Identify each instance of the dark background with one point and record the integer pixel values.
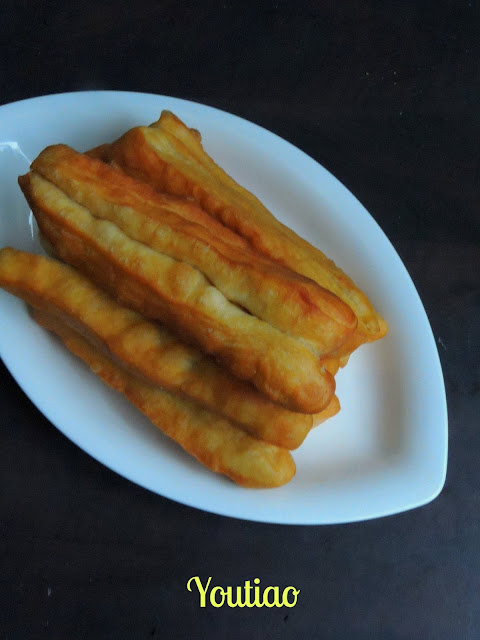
(384, 95)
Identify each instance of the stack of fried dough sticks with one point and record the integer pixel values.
(180, 290)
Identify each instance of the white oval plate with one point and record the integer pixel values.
(387, 449)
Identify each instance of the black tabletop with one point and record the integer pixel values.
(385, 96)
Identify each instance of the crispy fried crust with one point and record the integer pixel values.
(212, 440)
(184, 207)
(145, 348)
(330, 410)
(332, 365)
(102, 152)
(179, 296)
(293, 304)
(171, 159)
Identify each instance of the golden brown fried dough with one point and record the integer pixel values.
(184, 207)
(330, 410)
(146, 349)
(212, 440)
(102, 152)
(289, 302)
(171, 159)
(332, 365)
(180, 297)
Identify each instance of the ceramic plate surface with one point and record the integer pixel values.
(384, 453)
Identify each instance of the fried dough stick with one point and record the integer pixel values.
(212, 440)
(180, 297)
(148, 350)
(170, 157)
(293, 304)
